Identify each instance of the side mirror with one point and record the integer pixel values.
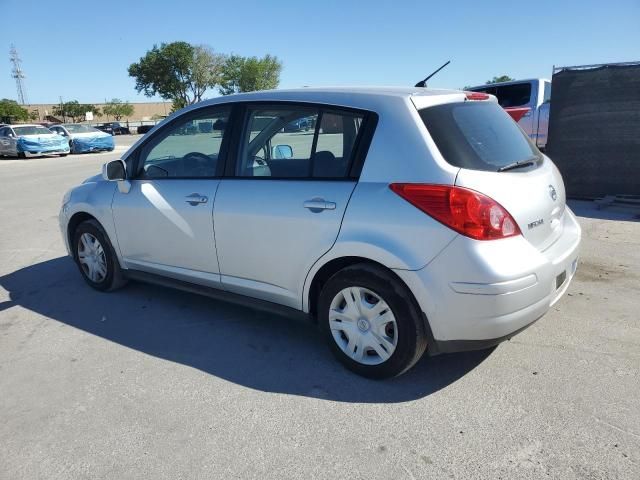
(114, 171)
(281, 152)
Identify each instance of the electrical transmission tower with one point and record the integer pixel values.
(18, 74)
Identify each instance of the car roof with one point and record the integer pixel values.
(315, 92)
(25, 125)
(350, 97)
(513, 82)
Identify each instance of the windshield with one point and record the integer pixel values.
(77, 128)
(32, 130)
(477, 135)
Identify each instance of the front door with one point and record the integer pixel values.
(283, 208)
(164, 223)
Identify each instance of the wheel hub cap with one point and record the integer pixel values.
(92, 258)
(363, 325)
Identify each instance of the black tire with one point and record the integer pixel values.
(63, 154)
(22, 155)
(411, 332)
(114, 277)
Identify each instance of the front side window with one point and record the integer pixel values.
(298, 142)
(188, 148)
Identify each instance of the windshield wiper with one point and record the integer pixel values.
(520, 164)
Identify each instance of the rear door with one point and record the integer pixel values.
(4, 140)
(480, 138)
(282, 208)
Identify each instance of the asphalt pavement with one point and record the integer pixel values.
(147, 382)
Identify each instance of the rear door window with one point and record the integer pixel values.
(291, 141)
(477, 135)
(514, 95)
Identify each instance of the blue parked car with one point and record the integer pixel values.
(84, 138)
(24, 140)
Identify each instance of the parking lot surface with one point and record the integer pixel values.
(147, 382)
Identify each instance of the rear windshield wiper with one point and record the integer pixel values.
(520, 164)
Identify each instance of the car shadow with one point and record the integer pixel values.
(258, 350)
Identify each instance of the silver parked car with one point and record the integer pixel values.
(25, 140)
(402, 221)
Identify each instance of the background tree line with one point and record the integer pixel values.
(182, 73)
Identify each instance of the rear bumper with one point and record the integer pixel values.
(476, 294)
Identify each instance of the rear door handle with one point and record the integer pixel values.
(319, 204)
(196, 199)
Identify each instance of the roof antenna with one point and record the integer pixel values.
(423, 83)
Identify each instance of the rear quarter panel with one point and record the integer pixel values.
(378, 224)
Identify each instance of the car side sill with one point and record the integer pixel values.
(217, 294)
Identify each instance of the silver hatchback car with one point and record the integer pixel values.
(400, 220)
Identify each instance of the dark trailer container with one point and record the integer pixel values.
(594, 129)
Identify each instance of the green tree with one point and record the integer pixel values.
(177, 71)
(248, 74)
(117, 109)
(10, 111)
(500, 79)
(74, 110)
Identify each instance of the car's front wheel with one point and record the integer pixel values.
(371, 321)
(96, 258)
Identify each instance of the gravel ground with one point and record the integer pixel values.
(153, 383)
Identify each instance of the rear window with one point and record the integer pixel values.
(477, 135)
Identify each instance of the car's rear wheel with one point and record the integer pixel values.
(371, 321)
(96, 258)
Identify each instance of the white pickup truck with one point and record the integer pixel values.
(527, 101)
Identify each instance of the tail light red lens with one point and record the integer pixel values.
(477, 96)
(466, 211)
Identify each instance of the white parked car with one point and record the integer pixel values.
(26, 140)
(84, 138)
(403, 220)
(528, 103)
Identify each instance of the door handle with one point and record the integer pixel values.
(196, 199)
(319, 204)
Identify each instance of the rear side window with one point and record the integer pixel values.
(547, 92)
(477, 135)
(514, 95)
(291, 141)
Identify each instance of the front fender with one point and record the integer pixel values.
(93, 198)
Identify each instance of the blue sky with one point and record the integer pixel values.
(81, 49)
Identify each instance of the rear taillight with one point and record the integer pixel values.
(466, 211)
(518, 112)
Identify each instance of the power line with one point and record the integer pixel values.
(18, 74)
